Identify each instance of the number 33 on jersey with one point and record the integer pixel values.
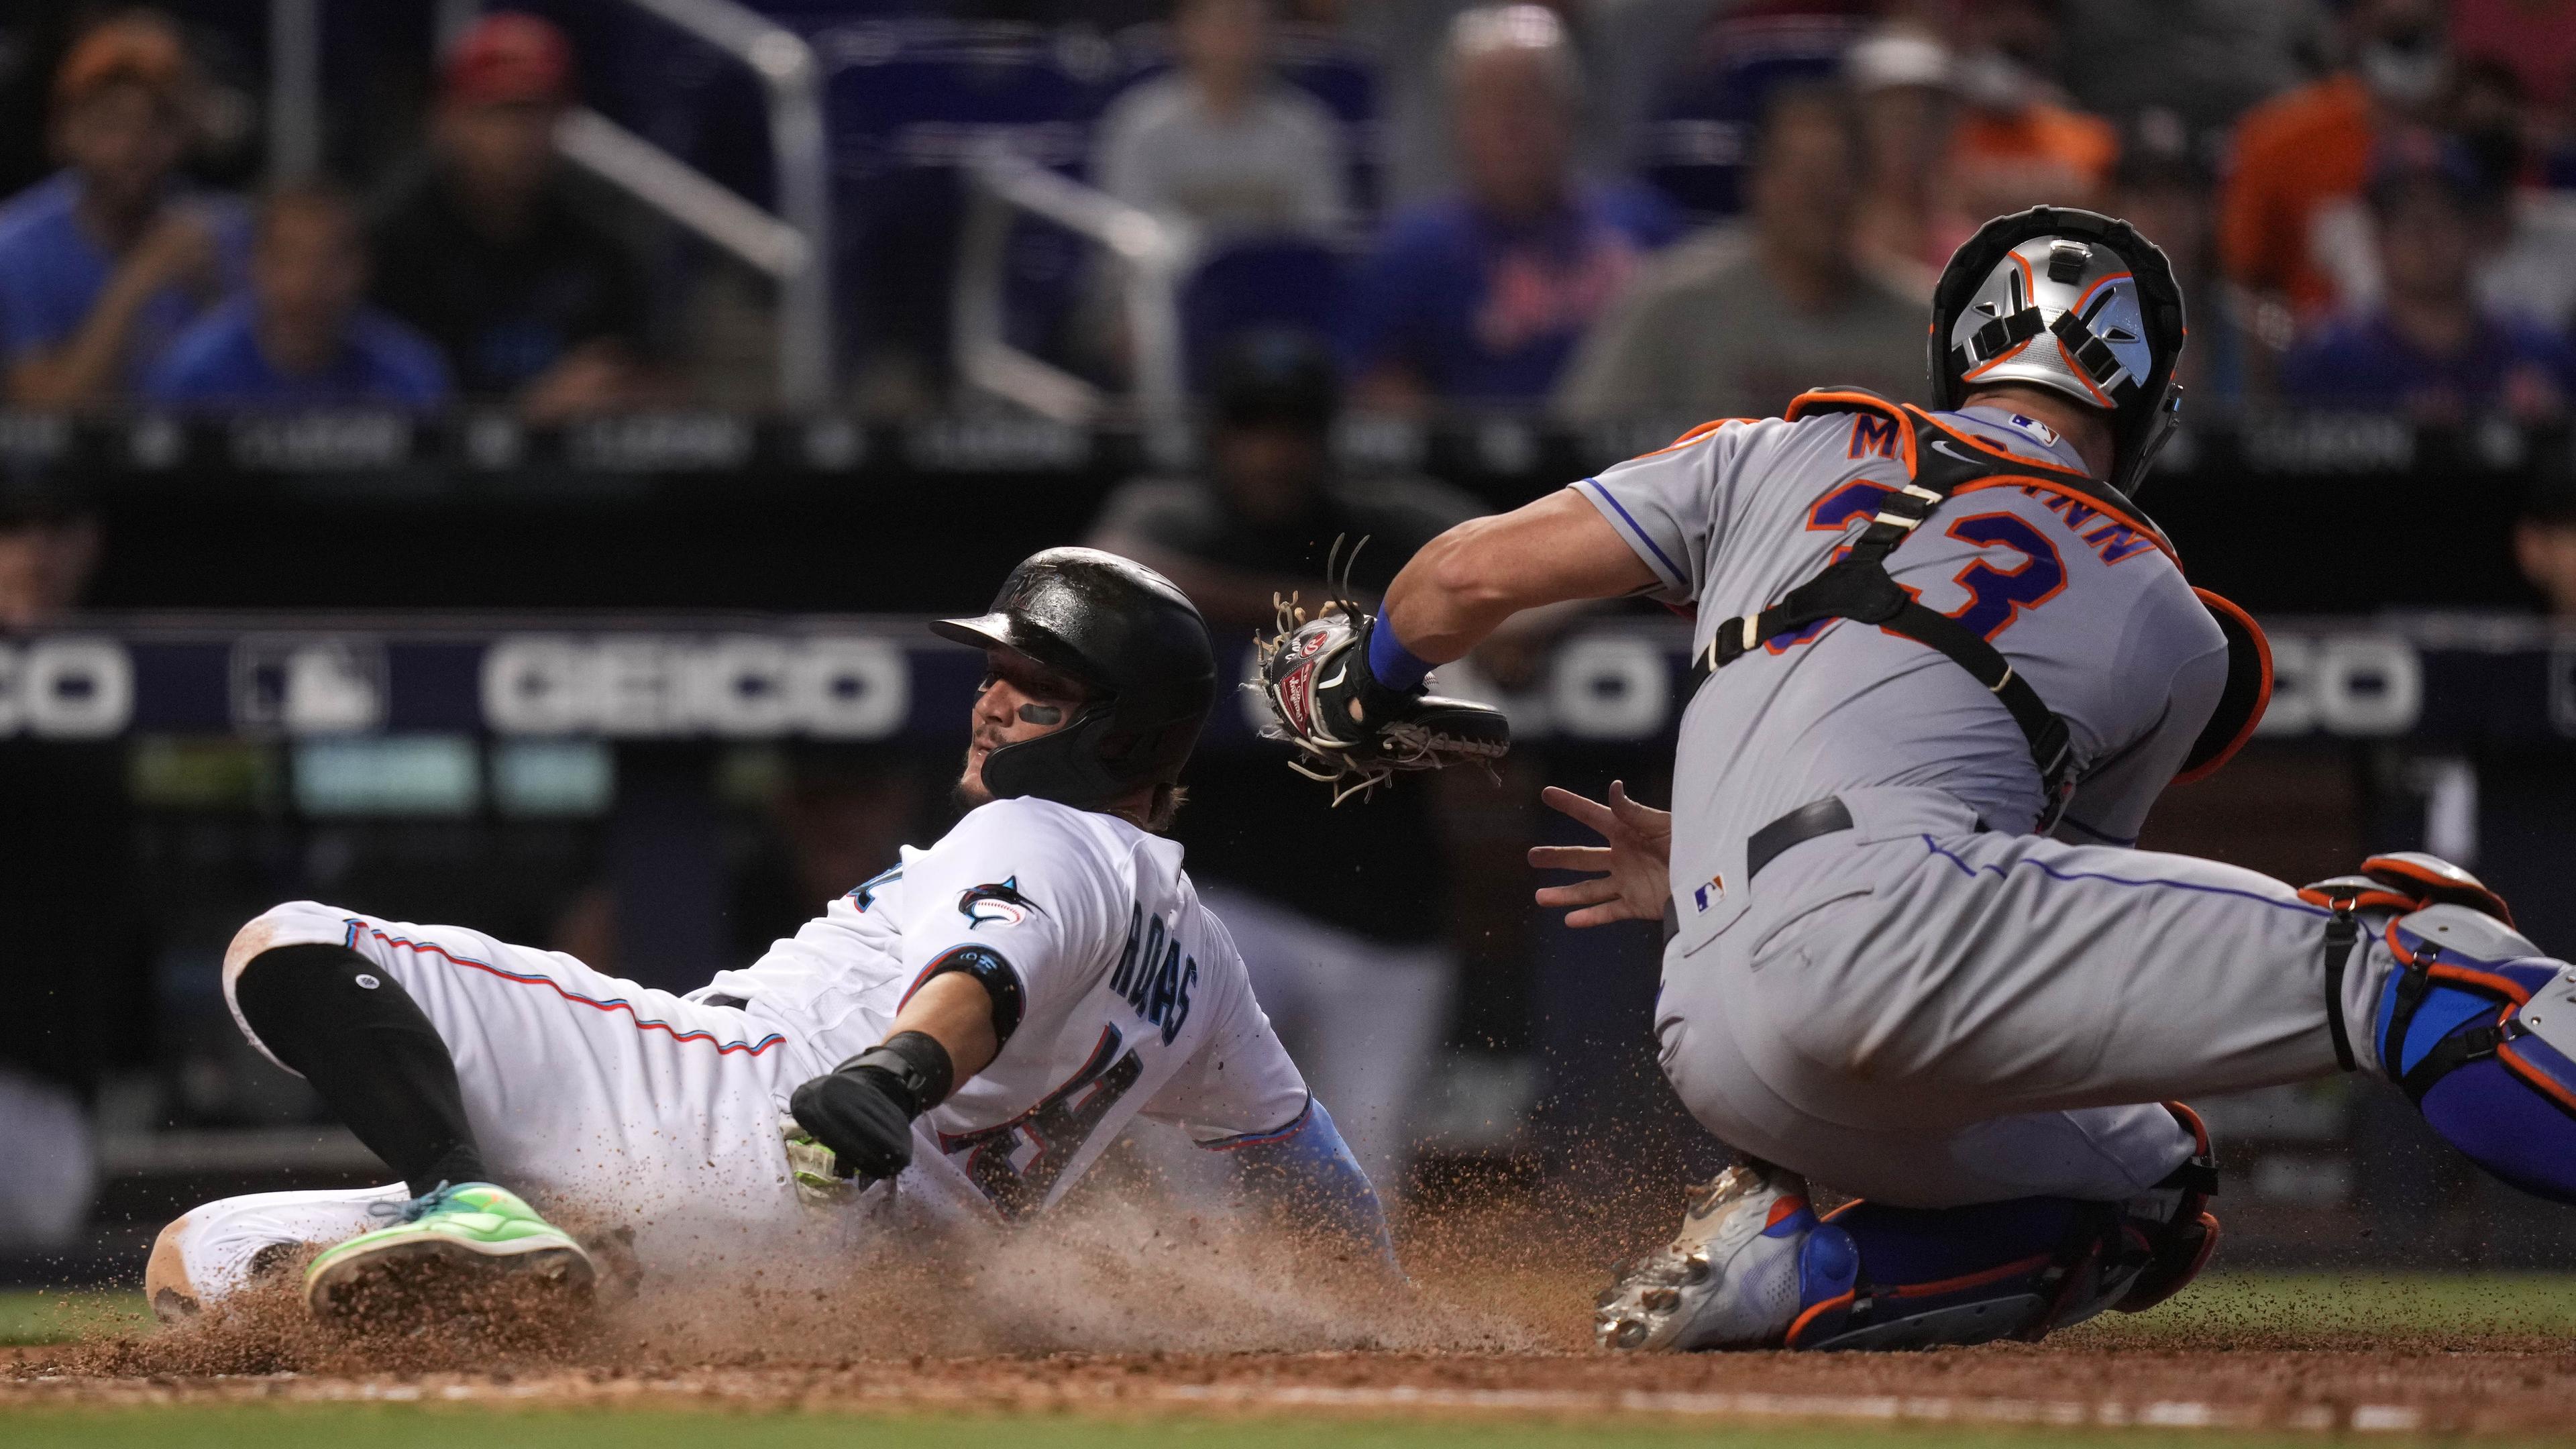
(1956, 534)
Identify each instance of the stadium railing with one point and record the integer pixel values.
(793, 249)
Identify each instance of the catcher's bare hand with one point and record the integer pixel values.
(1632, 874)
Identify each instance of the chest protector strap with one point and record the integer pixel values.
(1856, 586)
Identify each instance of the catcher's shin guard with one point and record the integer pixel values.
(2479, 1030)
(2475, 1025)
(2180, 1242)
(1924, 1278)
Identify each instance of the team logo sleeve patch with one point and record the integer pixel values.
(1000, 903)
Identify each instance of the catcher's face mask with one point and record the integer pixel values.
(2072, 301)
(2060, 314)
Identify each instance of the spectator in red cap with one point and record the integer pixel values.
(486, 250)
(104, 262)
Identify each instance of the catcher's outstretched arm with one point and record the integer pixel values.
(1464, 584)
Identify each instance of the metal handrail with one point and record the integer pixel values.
(294, 89)
(794, 248)
(793, 82)
(1153, 255)
(683, 193)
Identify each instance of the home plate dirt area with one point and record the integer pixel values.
(1084, 1329)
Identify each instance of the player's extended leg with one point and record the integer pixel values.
(463, 1059)
(216, 1249)
(343, 1023)
(210, 1252)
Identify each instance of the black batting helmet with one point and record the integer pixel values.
(2073, 301)
(1130, 635)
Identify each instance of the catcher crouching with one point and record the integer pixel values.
(1943, 667)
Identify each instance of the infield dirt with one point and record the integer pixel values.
(1115, 1311)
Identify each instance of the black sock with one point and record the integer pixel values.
(367, 1047)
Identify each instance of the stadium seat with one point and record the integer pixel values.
(1698, 138)
(1260, 281)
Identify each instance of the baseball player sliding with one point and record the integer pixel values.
(973, 1025)
(1945, 665)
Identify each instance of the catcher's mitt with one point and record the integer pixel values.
(1352, 732)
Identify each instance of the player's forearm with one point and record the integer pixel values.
(954, 1010)
(863, 1110)
(1310, 1178)
(1468, 582)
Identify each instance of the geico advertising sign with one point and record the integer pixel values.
(1601, 686)
(2355, 684)
(66, 688)
(743, 685)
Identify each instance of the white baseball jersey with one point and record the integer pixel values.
(630, 1105)
(1122, 993)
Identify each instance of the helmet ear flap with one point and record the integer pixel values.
(1063, 764)
(1128, 634)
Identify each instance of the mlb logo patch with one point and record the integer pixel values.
(2036, 429)
(1715, 890)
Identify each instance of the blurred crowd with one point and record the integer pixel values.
(469, 274)
(1595, 209)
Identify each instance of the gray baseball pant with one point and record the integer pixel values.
(1930, 1015)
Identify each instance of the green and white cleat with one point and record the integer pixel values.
(472, 1231)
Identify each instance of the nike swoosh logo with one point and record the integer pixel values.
(2008, 456)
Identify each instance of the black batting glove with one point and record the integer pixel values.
(864, 1116)
(863, 1110)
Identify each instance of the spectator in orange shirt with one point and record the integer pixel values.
(2019, 143)
(2301, 151)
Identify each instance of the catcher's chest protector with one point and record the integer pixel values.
(1941, 463)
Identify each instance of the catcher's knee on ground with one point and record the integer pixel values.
(1900, 1278)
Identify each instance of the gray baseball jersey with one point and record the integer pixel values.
(1935, 1006)
(2092, 612)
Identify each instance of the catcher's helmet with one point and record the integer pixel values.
(1129, 634)
(2069, 300)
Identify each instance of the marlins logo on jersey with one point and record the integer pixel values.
(1000, 903)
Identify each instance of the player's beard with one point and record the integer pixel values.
(970, 790)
